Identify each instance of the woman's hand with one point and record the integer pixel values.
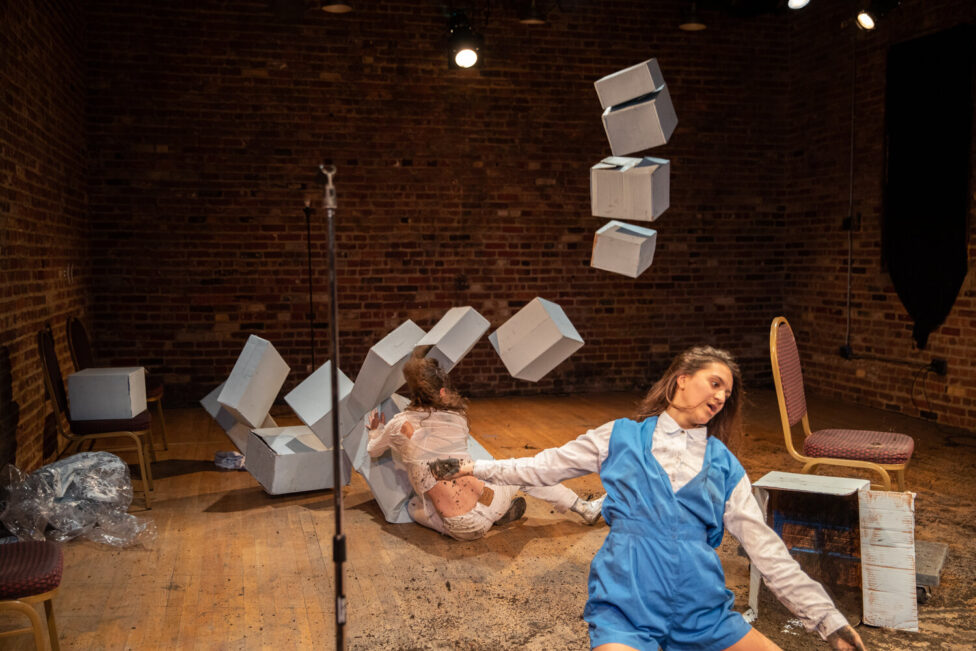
(376, 419)
(450, 468)
(845, 638)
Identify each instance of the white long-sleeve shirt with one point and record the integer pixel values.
(682, 453)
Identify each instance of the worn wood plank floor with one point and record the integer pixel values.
(234, 568)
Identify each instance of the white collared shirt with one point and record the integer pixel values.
(681, 453)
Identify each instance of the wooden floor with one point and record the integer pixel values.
(234, 568)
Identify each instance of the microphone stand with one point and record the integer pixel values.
(339, 539)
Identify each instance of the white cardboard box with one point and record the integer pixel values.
(312, 403)
(637, 189)
(454, 336)
(640, 124)
(254, 382)
(107, 393)
(886, 554)
(385, 475)
(291, 460)
(535, 340)
(382, 371)
(623, 249)
(237, 432)
(629, 83)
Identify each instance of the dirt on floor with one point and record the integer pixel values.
(524, 585)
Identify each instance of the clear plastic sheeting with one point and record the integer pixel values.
(85, 495)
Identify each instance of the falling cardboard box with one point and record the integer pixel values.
(291, 460)
(382, 371)
(237, 432)
(107, 393)
(623, 249)
(629, 83)
(641, 123)
(311, 401)
(254, 382)
(454, 336)
(637, 189)
(535, 340)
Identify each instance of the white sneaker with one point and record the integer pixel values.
(589, 510)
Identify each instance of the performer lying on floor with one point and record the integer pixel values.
(672, 488)
(435, 425)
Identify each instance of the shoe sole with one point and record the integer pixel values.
(514, 512)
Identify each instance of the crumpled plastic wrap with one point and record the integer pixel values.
(85, 495)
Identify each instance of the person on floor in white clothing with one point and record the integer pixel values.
(435, 425)
(673, 487)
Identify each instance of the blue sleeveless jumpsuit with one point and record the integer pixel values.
(657, 580)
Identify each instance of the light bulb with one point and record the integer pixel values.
(466, 58)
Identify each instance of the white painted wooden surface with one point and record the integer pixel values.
(792, 481)
(888, 559)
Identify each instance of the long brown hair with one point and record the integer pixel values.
(425, 379)
(725, 425)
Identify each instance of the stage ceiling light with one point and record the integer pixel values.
(690, 22)
(873, 11)
(464, 46)
(336, 7)
(530, 13)
(797, 4)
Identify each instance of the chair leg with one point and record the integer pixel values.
(900, 479)
(144, 468)
(28, 611)
(162, 423)
(52, 629)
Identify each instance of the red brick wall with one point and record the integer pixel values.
(43, 211)
(207, 121)
(817, 247)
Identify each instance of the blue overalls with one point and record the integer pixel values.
(657, 579)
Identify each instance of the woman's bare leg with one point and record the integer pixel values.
(754, 641)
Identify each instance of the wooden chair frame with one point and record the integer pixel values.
(64, 427)
(25, 606)
(155, 402)
(810, 463)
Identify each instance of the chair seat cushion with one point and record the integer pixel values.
(29, 568)
(137, 424)
(863, 445)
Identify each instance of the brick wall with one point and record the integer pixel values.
(817, 247)
(43, 211)
(207, 121)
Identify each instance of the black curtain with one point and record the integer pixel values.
(928, 139)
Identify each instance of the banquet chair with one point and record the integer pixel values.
(30, 573)
(81, 354)
(880, 452)
(80, 431)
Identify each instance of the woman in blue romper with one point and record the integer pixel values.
(672, 488)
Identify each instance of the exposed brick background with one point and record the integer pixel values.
(204, 123)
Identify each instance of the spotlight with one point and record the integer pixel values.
(874, 10)
(690, 22)
(797, 4)
(336, 7)
(464, 46)
(530, 14)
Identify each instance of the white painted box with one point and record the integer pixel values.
(629, 83)
(454, 336)
(311, 401)
(636, 189)
(291, 460)
(882, 554)
(640, 124)
(254, 382)
(237, 432)
(535, 340)
(623, 249)
(382, 371)
(107, 393)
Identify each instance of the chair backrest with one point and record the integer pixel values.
(786, 369)
(53, 380)
(79, 344)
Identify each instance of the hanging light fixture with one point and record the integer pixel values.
(874, 10)
(336, 7)
(797, 4)
(464, 46)
(690, 22)
(530, 14)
